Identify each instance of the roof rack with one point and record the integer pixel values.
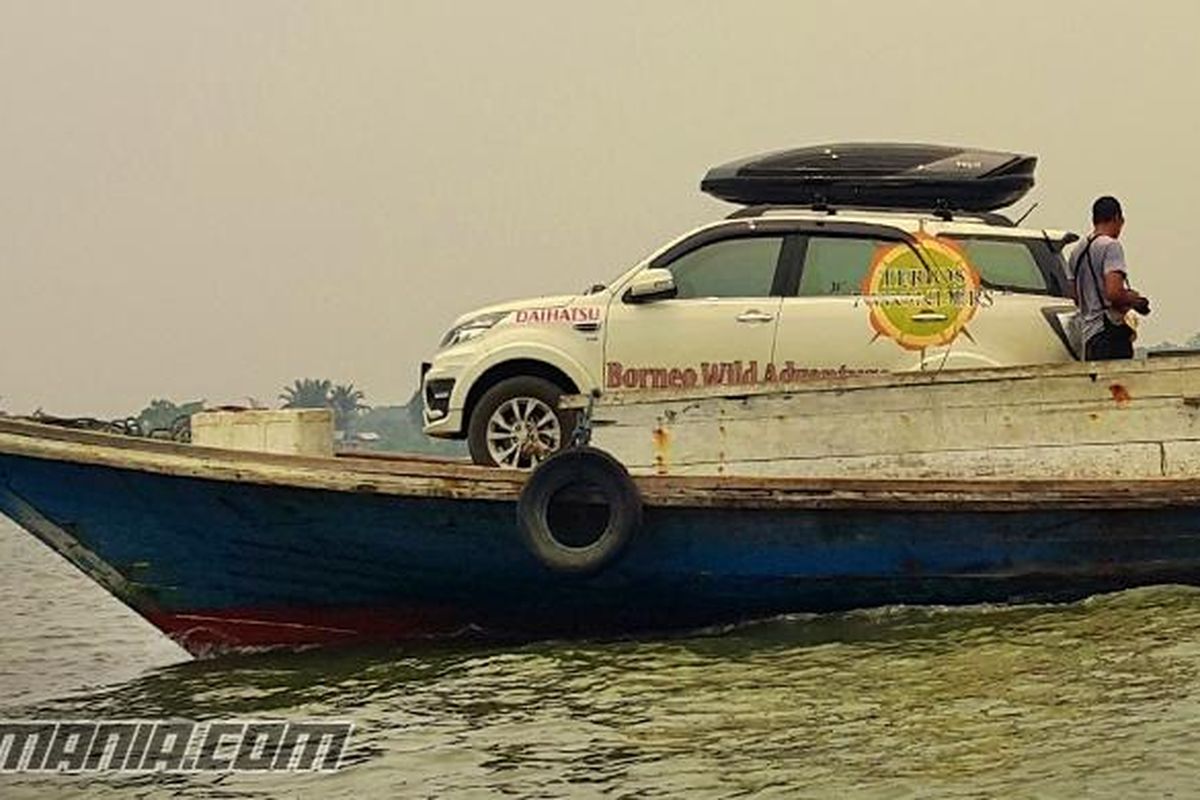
(944, 214)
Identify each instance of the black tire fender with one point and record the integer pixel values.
(605, 481)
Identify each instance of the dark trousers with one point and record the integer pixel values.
(1115, 341)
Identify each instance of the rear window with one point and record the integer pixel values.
(1004, 264)
(837, 265)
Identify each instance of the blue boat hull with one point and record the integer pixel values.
(221, 563)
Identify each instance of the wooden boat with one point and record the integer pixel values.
(223, 549)
(1104, 420)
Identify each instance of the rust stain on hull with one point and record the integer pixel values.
(662, 449)
(1120, 394)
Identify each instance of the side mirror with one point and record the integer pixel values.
(651, 284)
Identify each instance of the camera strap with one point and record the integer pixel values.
(1096, 284)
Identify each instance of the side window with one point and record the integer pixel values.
(1005, 265)
(837, 265)
(729, 268)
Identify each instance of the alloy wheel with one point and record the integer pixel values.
(522, 432)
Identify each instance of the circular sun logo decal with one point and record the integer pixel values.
(921, 295)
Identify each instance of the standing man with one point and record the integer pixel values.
(1101, 283)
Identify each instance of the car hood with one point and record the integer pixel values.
(553, 301)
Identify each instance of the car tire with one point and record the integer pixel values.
(520, 412)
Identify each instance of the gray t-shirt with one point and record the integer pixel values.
(1107, 256)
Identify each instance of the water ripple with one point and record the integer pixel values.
(1096, 699)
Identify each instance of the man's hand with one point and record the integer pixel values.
(1122, 298)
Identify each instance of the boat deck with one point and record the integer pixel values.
(423, 476)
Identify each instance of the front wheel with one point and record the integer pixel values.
(517, 424)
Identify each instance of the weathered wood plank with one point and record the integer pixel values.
(1073, 422)
(1098, 372)
(898, 397)
(418, 479)
(1128, 461)
(454, 481)
(390, 465)
(1054, 431)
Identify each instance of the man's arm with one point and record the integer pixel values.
(1116, 282)
(1121, 298)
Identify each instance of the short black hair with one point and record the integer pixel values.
(1106, 209)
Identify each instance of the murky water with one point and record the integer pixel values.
(1098, 699)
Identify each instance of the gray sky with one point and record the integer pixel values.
(210, 199)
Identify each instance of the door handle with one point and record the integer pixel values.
(929, 316)
(754, 315)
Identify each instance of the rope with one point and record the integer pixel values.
(180, 429)
(582, 434)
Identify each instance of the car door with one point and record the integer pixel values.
(719, 327)
(868, 301)
(825, 320)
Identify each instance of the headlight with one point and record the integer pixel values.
(471, 328)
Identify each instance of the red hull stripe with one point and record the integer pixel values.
(203, 631)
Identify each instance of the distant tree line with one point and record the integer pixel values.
(357, 424)
(164, 416)
(344, 400)
(1191, 344)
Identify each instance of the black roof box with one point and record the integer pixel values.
(910, 176)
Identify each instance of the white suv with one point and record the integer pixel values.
(768, 295)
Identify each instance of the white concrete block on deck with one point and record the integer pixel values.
(298, 431)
